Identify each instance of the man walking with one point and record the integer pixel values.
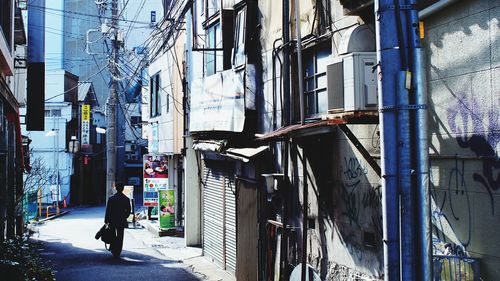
(117, 211)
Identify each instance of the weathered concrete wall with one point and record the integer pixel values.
(344, 202)
(345, 238)
(463, 66)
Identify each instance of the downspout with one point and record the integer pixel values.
(436, 7)
(305, 204)
(421, 147)
(387, 57)
(299, 62)
(286, 145)
(302, 120)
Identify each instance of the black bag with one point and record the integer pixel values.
(106, 234)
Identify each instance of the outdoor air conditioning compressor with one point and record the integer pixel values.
(352, 82)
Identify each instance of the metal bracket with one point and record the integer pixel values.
(393, 7)
(402, 107)
(354, 140)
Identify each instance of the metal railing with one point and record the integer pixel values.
(455, 268)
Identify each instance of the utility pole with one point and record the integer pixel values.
(404, 182)
(111, 128)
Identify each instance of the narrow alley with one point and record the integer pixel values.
(69, 245)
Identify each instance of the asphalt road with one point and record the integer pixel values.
(70, 246)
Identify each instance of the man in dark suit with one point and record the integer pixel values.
(117, 211)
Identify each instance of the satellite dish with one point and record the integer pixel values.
(311, 275)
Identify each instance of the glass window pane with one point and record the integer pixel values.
(310, 103)
(158, 95)
(322, 101)
(323, 58)
(310, 85)
(321, 81)
(56, 112)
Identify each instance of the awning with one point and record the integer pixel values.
(298, 130)
(326, 125)
(210, 145)
(245, 154)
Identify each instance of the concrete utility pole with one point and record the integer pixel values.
(111, 128)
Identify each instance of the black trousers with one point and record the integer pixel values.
(117, 245)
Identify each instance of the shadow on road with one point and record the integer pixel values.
(74, 263)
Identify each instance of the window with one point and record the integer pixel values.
(6, 20)
(213, 57)
(154, 90)
(315, 95)
(135, 121)
(212, 7)
(52, 113)
(239, 39)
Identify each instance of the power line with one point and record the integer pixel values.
(83, 14)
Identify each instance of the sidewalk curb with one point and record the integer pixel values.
(192, 257)
(53, 217)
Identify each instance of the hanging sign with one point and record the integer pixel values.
(85, 124)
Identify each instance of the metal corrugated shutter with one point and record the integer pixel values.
(230, 200)
(219, 213)
(213, 212)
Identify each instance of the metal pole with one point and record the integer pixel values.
(286, 121)
(422, 196)
(305, 204)
(286, 63)
(390, 65)
(299, 62)
(111, 129)
(405, 183)
(57, 165)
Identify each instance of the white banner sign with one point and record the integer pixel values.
(218, 103)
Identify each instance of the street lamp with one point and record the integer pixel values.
(55, 133)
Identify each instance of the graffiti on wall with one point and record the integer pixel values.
(455, 198)
(361, 202)
(477, 128)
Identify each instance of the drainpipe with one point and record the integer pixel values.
(390, 65)
(299, 62)
(424, 243)
(421, 152)
(438, 6)
(305, 205)
(286, 117)
(286, 63)
(405, 183)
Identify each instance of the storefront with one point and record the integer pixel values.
(219, 212)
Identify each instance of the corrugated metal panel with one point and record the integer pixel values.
(230, 200)
(219, 213)
(213, 215)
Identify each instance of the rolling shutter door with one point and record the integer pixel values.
(219, 215)
(230, 200)
(213, 213)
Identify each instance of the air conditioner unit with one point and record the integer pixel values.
(352, 82)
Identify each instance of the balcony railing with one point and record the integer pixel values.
(455, 268)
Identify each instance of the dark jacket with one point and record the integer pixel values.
(118, 210)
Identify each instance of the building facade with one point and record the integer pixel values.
(12, 166)
(302, 107)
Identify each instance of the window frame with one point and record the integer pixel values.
(216, 65)
(313, 93)
(155, 95)
(240, 28)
